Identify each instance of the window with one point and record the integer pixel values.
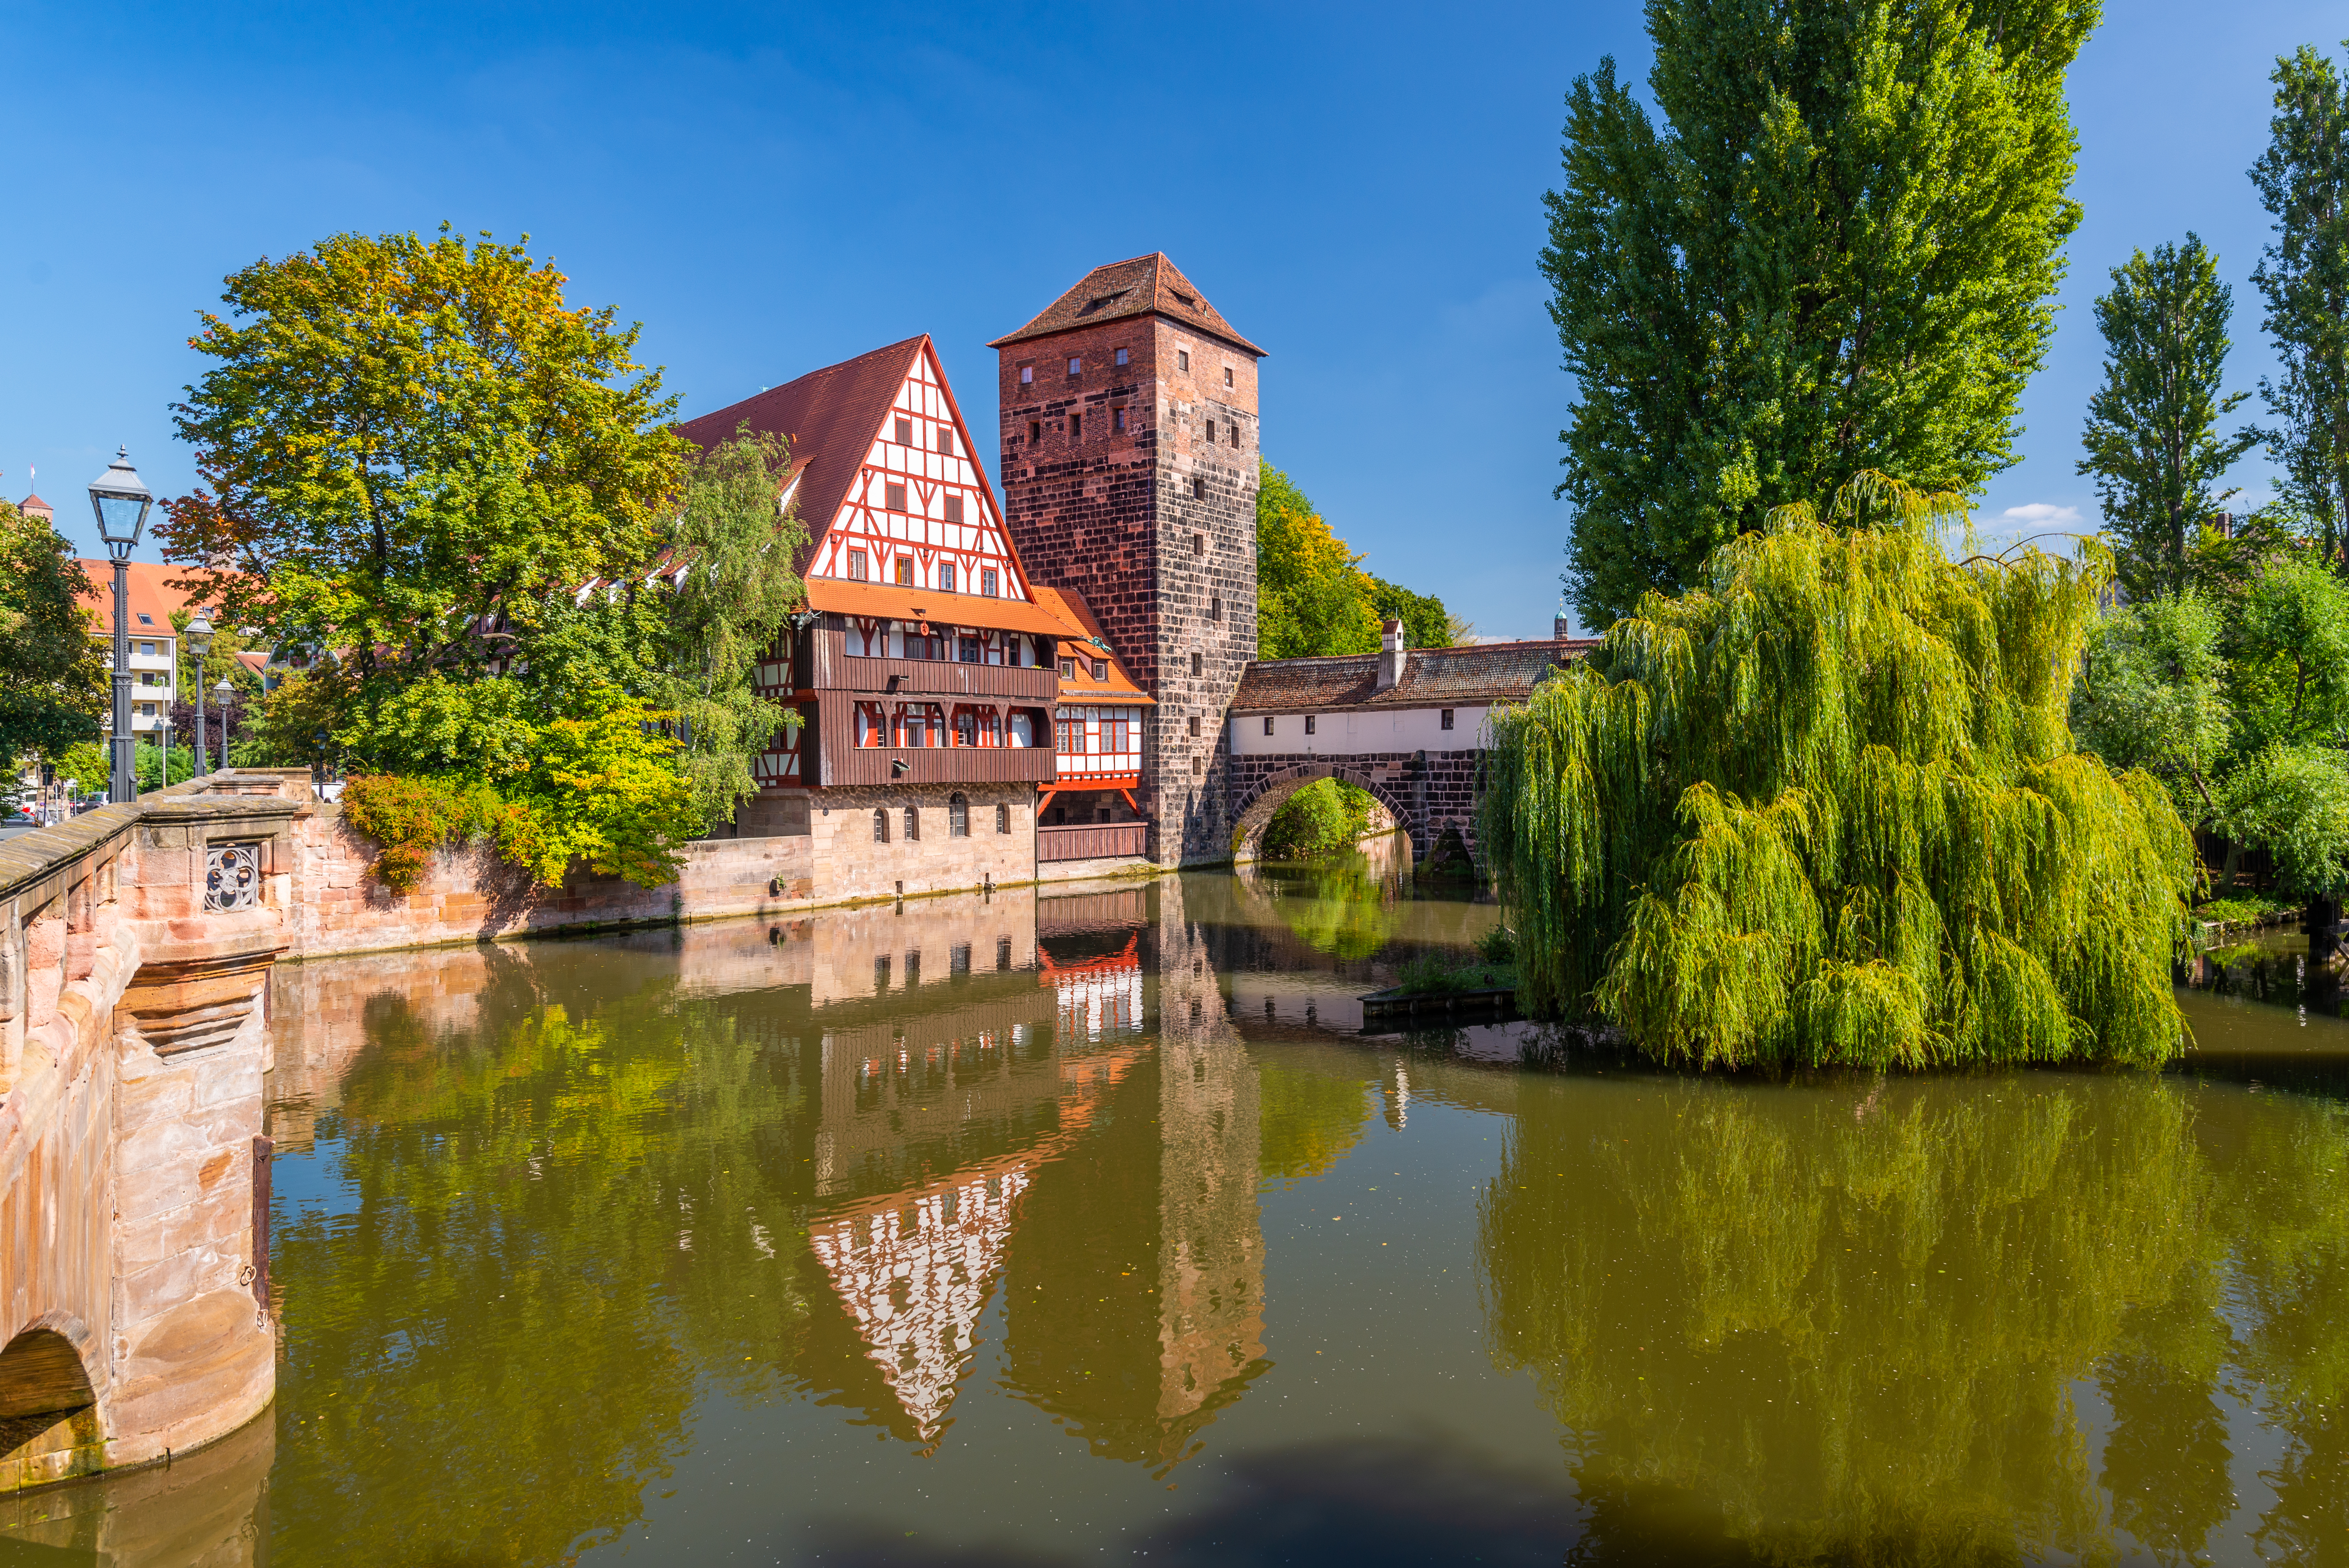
(905, 432)
(1117, 734)
(904, 572)
(1122, 356)
(958, 955)
(1035, 431)
(912, 959)
(1195, 664)
(1228, 375)
(958, 827)
(893, 496)
(967, 650)
(146, 710)
(1117, 419)
(1198, 765)
(872, 724)
(1235, 435)
(1211, 432)
(1183, 358)
(146, 649)
(1101, 669)
(1076, 427)
(1003, 944)
(1067, 669)
(1198, 490)
(146, 620)
(946, 577)
(913, 836)
(1268, 724)
(987, 581)
(1447, 718)
(881, 835)
(1308, 724)
(1028, 376)
(953, 509)
(1068, 734)
(945, 439)
(991, 728)
(1216, 607)
(1194, 727)
(1075, 365)
(1023, 726)
(858, 571)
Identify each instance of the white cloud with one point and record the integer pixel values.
(2043, 514)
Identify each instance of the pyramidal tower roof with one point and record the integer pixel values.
(1146, 286)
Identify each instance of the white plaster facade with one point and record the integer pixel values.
(1352, 731)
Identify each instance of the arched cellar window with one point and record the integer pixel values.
(1002, 820)
(880, 825)
(958, 816)
(912, 825)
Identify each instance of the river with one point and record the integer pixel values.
(1088, 1226)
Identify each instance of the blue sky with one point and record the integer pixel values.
(768, 191)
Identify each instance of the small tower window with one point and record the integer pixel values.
(1211, 432)
(1035, 431)
(1228, 375)
(1447, 718)
(1198, 490)
(1075, 365)
(858, 571)
(953, 509)
(894, 497)
(945, 439)
(1235, 435)
(1194, 727)
(1028, 376)
(1195, 664)
(1183, 358)
(881, 831)
(1121, 357)
(905, 432)
(912, 825)
(1216, 607)
(1117, 418)
(1076, 427)
(1198, 544)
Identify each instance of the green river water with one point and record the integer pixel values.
(1088, 1227)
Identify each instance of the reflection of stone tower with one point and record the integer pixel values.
(1129, 411)
(1211, 1238)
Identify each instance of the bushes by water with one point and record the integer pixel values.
(1322, 818)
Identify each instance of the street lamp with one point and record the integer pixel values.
(120, 503)
(200, 641)
(222, 695)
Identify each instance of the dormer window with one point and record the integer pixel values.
(1101, 669)
(1067, 669)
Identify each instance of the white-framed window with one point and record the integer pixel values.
(1028, 376)
(1122, 356)
(987, 581)
(859, 569)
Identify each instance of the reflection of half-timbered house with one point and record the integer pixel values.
(924, 677)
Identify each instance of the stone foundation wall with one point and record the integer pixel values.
(853, 862)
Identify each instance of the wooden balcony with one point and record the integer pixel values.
(835, 669)
(1093, 841)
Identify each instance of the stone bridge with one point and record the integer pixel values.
(135, 948)
(1429, 793)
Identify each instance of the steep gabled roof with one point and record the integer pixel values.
(1083, 643)
(831, 415)
(1146, 286)
(152, 593)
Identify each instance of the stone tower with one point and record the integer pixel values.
(1128, 469)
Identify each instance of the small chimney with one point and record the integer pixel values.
(1391, 654)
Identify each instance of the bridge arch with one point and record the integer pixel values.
(1255, 810)
(48, 1404)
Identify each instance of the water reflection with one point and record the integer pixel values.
(997, 1218)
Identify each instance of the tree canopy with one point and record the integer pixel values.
(1313, 598)
(1826, 807)
(53, 691)
(2152, 436)
(2302, 180)
(1836, 252)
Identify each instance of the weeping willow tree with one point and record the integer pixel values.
(1825, 808)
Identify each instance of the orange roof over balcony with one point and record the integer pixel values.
(891, 602)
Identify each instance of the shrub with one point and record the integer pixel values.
(411, 819)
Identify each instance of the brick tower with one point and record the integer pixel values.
(1129, 474)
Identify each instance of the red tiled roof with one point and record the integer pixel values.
(1476, 673)
(1146, 286)
(1081, 650)
(831, 416)
(150, 594)
(890, 601)
(32, 505)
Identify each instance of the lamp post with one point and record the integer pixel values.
(200, 641)
(222, 695)
(120, 503)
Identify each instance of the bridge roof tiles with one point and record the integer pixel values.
(1478, 673)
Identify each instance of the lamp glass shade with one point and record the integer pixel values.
(200, 634)
(120, 501)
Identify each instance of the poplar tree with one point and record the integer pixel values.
(1835, 252)
(2303, 179)
(2152, 436)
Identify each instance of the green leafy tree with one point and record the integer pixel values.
(2302, 180)
(53, 685)
(2152, 436)
(1312, 595)
(1827, 807)
(1426, 624)
(416, 452)
(1835, 253)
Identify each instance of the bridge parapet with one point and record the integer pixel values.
(135, 948)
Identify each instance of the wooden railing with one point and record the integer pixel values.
(1093, 841)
